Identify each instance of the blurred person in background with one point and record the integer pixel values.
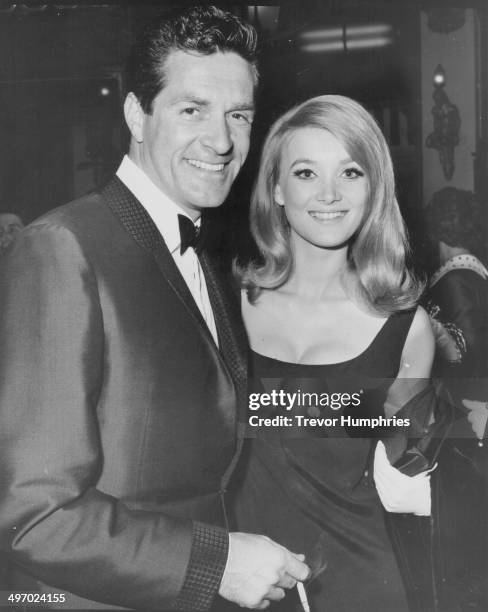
(10, 225)
(457, 301)
(458, 290)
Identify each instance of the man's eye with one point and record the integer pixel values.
(304, 173)
(353, 173)
(238, 117)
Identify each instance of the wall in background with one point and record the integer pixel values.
(455, 51)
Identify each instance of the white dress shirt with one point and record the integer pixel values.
(165, 213)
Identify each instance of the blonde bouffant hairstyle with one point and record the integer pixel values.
(378, 252)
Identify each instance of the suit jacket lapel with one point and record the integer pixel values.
(230, 329)
(143, 230)
(233, 345)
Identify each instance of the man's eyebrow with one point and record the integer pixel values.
(244, 106)
(192, 99)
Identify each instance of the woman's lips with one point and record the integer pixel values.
(328, 215)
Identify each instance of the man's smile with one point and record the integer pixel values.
(206, 166)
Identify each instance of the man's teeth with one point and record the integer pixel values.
(325, 216)
(204, 166)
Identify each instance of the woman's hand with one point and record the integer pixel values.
(398, 492)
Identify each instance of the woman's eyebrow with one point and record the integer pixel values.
(302, 160)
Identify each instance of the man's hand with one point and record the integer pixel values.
(258, 570)
(398, 492)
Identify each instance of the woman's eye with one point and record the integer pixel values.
(353, 173)
(190, 110)
(304, 173)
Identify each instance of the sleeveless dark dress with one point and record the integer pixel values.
(316, 495)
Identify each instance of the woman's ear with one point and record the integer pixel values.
(278, 196)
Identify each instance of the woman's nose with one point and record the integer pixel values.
(329, 192)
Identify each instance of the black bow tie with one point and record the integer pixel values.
(189, 234)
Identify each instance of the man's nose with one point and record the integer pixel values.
(218, 136)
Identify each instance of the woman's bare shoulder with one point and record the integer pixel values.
(419, 349)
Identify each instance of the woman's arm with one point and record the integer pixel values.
(415, 366)
(398, 492)
(418, 352)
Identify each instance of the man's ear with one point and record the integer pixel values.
(134, 116)
(278, 196)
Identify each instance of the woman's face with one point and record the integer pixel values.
(323, 190)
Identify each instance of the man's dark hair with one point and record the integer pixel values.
(201, 29)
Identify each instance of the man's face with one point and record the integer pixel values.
(195, 141)
(10, 226)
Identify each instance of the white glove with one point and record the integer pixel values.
(398, 492)
(478, 416)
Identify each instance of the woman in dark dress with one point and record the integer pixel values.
(331, 308)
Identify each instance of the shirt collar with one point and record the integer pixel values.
(163, 211)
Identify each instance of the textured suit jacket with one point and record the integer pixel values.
(118, 412)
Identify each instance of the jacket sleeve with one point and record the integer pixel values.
(54, 522)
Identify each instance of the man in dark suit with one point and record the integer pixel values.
(123, 355)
